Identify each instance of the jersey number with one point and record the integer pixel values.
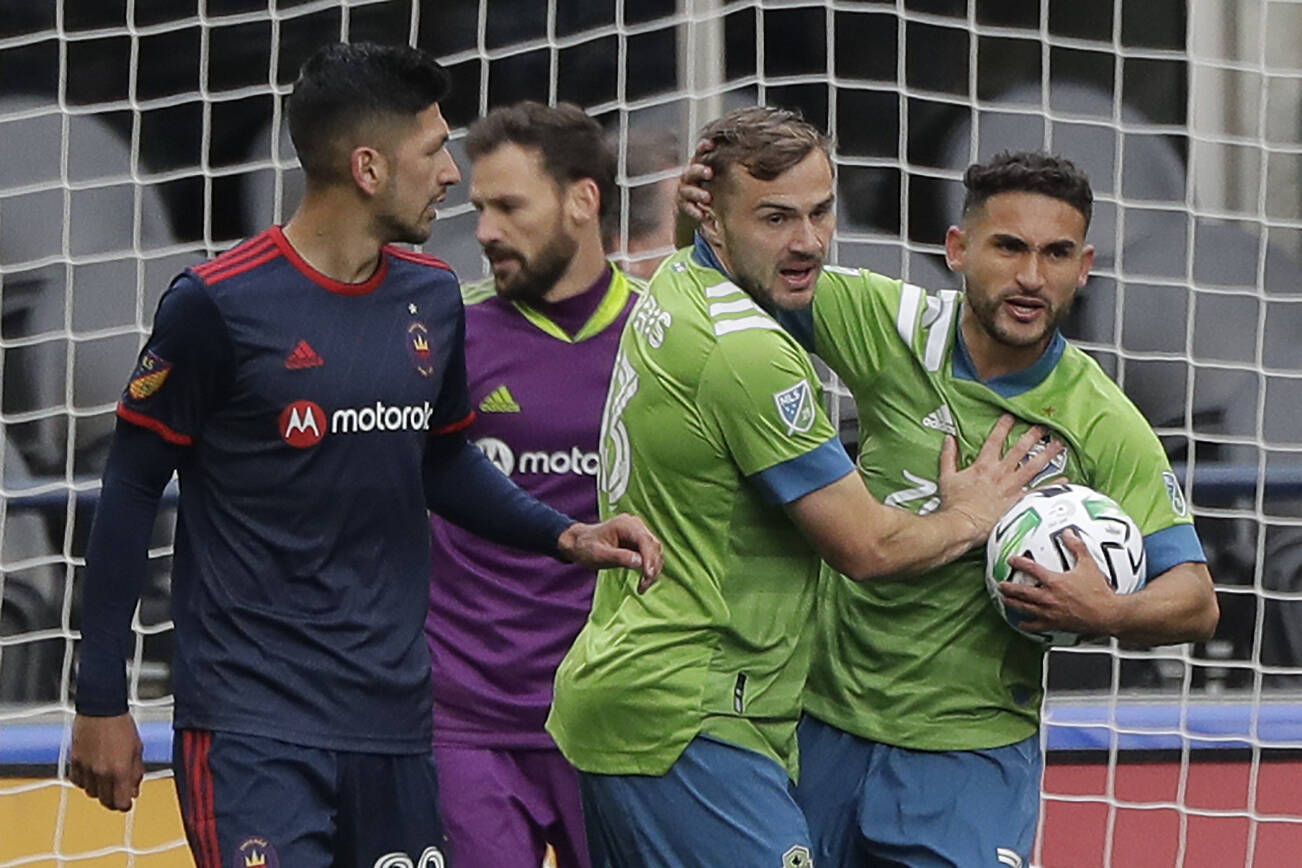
(616, 454)
(923, 489)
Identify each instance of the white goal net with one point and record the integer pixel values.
(140, 136)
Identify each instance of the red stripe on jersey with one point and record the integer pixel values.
(236, 256)
(458, 425)
(416, 256)
(325, 281)
(219, 275)
(159, 428)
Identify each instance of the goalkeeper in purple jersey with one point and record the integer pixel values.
(309, 388)
(541, 336)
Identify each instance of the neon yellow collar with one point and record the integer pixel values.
(612, 304)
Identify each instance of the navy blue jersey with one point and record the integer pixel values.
(301, 565)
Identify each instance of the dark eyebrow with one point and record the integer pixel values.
(1062, 245)
(788, 209)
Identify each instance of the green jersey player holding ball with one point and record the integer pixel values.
(919, 744)
(679, 705)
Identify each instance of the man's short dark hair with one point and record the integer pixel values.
(345, 89)
(572, 145)
(1028, 172)
(764, 141)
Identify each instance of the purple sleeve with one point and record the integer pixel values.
(464, 487)
(138, 468)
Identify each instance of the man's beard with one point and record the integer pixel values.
(534, 277)
(394, 230)
(986, 310)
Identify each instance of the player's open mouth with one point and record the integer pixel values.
(799, 277)
(1025, 309)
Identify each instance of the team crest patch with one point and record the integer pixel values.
(798, 857)
(256, 852)
(418, 347)
(149, 375)
(1176, 493)
(796, 407)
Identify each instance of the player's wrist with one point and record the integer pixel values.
(567, 542)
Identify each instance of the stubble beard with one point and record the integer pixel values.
(536, 277)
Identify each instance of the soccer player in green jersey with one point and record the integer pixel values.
(919, 746)
(679, 706)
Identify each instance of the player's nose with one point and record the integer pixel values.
(805, 237)
(449, 172)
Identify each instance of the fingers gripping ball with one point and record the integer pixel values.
(1034, 528)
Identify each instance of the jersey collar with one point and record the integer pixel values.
(608, 310)
(1008, 385)
(323, 280)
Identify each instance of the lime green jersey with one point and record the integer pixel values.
(712, 422)
(927, 662)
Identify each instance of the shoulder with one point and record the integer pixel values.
(241, 260)
(428, 270)
(478, 292)
(416, 258)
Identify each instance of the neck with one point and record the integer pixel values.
(991, 358)
(335, 236)
(585, 267)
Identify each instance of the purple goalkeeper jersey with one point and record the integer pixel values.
(500, 620)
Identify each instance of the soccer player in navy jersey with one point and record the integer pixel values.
(541, 334)
(309, 388)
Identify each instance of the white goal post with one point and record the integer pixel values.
(141, 136)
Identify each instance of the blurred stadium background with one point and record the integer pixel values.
(139, 136)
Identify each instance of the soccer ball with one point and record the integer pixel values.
(1033, 528)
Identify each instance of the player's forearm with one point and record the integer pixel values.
(905, 544)
(865, 539)
(117, 556)
(1177, 606)
(467, 489)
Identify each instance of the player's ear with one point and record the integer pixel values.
(955, 248)
(583, 201)
(1086, 263)
(369, 168)
(709, 225)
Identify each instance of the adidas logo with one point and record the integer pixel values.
(940, 419)
(303, 356)
(500, 400)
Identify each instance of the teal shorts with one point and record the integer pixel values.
(872, 805)
(718, 804)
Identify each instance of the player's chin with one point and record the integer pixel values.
(788, 298)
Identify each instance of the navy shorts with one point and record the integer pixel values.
(718, 805)
(247, 800)
(876, 805)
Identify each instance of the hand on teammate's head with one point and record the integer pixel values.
(693, 198)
